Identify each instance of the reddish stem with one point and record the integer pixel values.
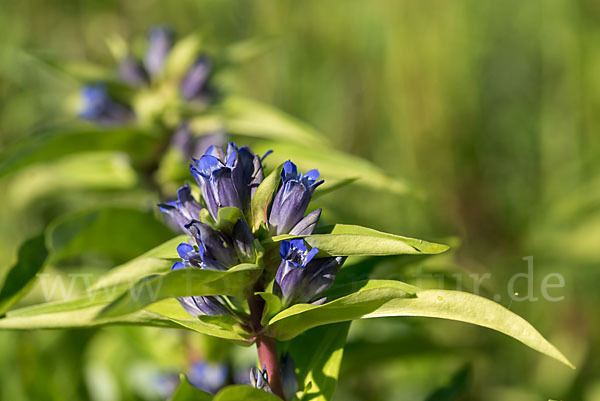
(267, 354)
(266, 346)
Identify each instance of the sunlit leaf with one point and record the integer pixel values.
(319, 369)
(384, 299)
(349, 240)
(236, 281)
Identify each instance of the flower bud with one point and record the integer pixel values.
(194, 82)
(300, 277)
(227, 180)
(243, 242)
(260, 379)
(184, 210)
(98, 107)
(292, 199)
(160, 40)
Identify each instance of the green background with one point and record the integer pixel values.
(490, 108)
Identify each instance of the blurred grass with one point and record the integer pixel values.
(490, 107)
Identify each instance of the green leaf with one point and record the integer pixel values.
(366, 297)
(380, 300)
(118, 233)
(182, 56)
(319, 369)
(186, 392)
(31, 259)
(52, 145)
(217, 326)
(348, 240)
(335, 165)
(244, 393)
(236, 282)
(246, 117)
(262, 197)
(272, 306)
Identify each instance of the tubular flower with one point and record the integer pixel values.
(292, 199)
(260, 379)
(227, 180)
(160, 40)
(184, 210)
(197, 305)
(301, 277)
(194, 82)
(97, 106)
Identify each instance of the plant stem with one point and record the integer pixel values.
(267, 354)
(266, 346)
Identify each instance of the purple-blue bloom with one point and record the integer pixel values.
(197, 305)
(227, 180)
(194, 82)
(99, 107)
(292, 199)
(160, 40)
(208, 376)
(260, 379)
(132, 72)
(184, 210)
(301, 277)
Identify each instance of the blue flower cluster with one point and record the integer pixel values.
(230, 178)
(100, 107)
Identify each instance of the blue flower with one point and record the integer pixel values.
(184, 210)
(260, 379)
(99, 107)
(193, 84)
(215, 250)
(160, 40)
(132, 72)
(301, 277)
(207, 376)
(227, 179)
(292, 199)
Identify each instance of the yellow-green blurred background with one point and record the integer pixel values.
(490, 108)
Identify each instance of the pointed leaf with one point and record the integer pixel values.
(382, 299)
(236, 282)
(348, 240)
